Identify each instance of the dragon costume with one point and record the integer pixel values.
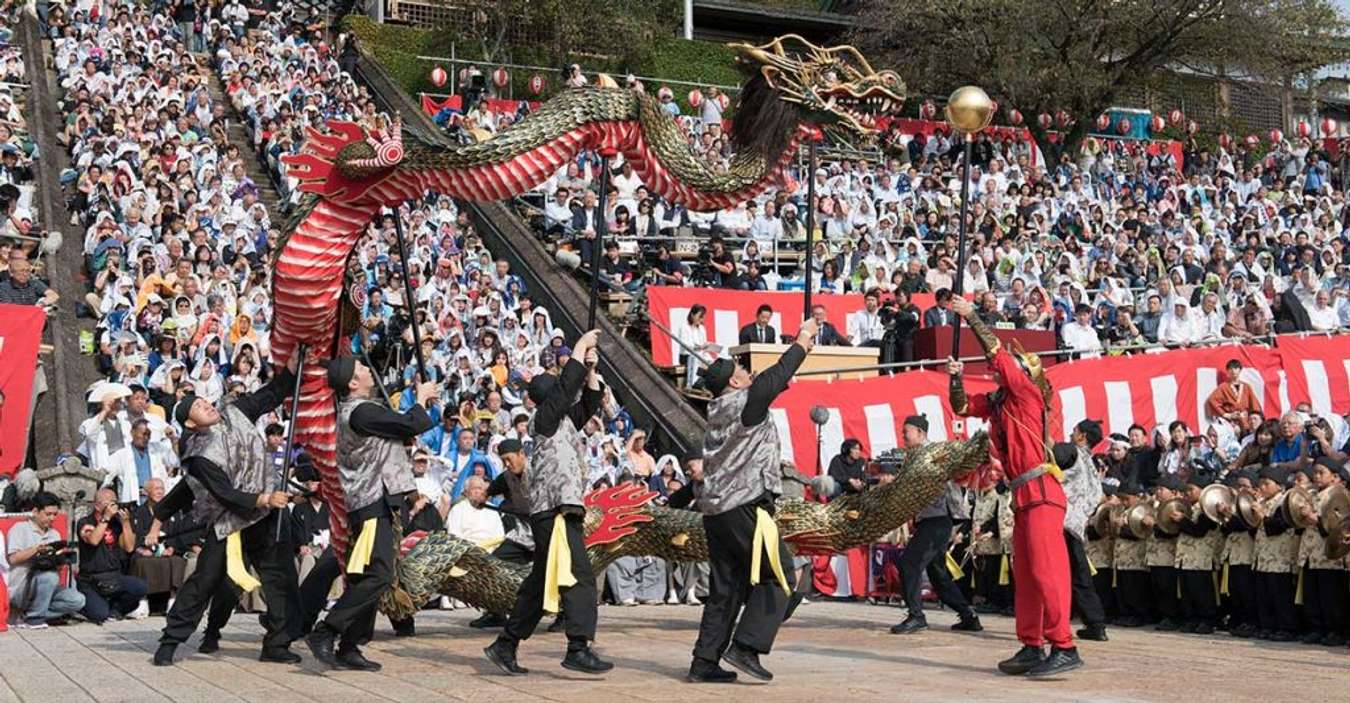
(793, 91)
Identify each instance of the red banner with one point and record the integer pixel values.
(432, 106)
(20, 334)
(1145, 389)
(730, 310)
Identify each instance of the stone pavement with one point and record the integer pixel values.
(828, 652)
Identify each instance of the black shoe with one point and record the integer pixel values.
(1241, 630)
(747, 660)
(1282, 636)
(1167, 625)
(558, 625)
(279, 655)
(1311, 638)
(1188, 628)
(164, 655)
(1333, 640)
(969, 622)
(503, 654)
(487, 620)
(1204, 628)
(910, 625)
(1026, 658)
(405, 628)
(986, 609)
(210, 643)
(321, 642)
(1127, 622)
(585, 661)
(1059, 661)
(1096, 633)
(353, 660)
(703, 671)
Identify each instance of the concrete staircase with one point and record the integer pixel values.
(253, 165)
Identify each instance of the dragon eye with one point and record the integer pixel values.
(831, 77)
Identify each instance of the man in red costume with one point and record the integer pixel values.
(1017, 414)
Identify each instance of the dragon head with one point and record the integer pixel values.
(834, 89)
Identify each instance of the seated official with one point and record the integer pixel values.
(161, 566)
(36, 554)
(107, 539)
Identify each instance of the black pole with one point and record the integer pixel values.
(601, 229)
(958, 284)
(810, 227)
(300, 349)
(408, 301)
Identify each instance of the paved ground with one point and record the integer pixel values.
(829, 652)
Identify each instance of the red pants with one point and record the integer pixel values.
(1042, 595)
(4, 606)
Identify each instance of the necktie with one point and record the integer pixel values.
(761, 334)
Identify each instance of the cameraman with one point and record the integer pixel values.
(36, 555)
(667, 270)
(107, 539)
(724, 269)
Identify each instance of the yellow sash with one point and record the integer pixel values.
(1223, 582)
(488, 545)
(359, 559)
(1298, 593)
(234, 563)
(954, 568)
(558, 571)
(1092, 569)
(1214, 577)
(766, 540)
(1003, 571)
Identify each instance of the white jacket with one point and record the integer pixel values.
(122, 464)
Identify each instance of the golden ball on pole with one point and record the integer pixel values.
(969, 109)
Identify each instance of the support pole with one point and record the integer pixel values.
(812, 164)
(409, 301)
(958, 284)
(601, 230)
(302, 350)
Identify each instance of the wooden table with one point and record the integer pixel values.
(762, 356)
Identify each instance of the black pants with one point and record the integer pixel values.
(513, 552)
(1242, 606)
(1198, 605)
(1106, 595)
(98, 607)
(353, 616)
(314, 598)
(1324, 600)
(734, 609)
(987, 586)
(1134, 594)
(926, 553)
(275, 564)
(579, 601)
(1275, 602)
(1085, 600)
(1163, 580)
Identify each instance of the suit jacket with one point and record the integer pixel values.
(749, 334)
(829, 336)
(933, 317)
(579, 223)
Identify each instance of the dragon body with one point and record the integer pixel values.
(623, 521)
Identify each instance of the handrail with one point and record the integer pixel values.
(553, 70)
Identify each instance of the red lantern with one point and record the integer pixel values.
(695, 97)
(1303, 129)
(1103, 122)
(1015, 117)
(1192, 127)
(1328, 127)
(1175, 117)
(723, 99)
(1253, 141)
(537, 84)
(1276, 136)
(1225, 141)
(1157, 124)
(1123, 126)
(1062, 117)
(439, 77)
(500, 77)
(927, 110)
(1045, 120)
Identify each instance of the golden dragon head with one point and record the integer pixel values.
(834, 89)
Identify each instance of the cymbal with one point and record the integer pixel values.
(1338, 543)
(1247, 510)
(1295, 499)
(1101, 520)
(1134, 520)
(1165, 523)
(1335, 508)
(1214, 496)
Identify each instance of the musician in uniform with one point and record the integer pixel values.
(377, 478)
(561, 575)
(1276, 553)
(991, 534)
(1083, 489)
(1133, 593)
(1325, 585)
(233, 489)
(1237, 581)
(751, 575)
(1198, 548)
(1100, 551)
(1161, 559)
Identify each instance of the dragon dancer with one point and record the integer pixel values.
(1017, 413)
(748, 586)
(376, 476)
(561, 575)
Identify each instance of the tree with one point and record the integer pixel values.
(563, 28)
(1042, 56)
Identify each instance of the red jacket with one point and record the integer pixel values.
(1017, 431)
